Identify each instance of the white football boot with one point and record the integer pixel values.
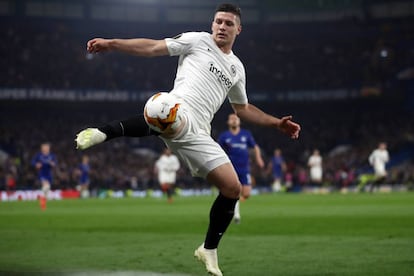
(89, 137)
(209, 258)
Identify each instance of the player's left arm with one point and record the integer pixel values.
(252, 114)
(387, 157)
(36, 162)
(284, 166)
(258, 157)
(53, 162)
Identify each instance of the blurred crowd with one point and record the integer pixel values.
(344, 132)
(280, 57)
(43, 53)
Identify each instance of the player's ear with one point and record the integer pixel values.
(239, 29)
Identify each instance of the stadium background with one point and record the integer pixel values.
(343, 69)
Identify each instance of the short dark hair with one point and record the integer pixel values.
(229, 8)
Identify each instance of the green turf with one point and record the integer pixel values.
(353, 234)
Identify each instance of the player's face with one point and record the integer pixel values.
(85, 159)
(233, 121)
(226, 26)
(45, 148)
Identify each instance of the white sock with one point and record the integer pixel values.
(237, 210)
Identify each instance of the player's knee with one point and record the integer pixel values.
(231, 191)
(245, 195)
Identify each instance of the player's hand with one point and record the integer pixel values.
(89, 137)
(289, 127)
(260, 163)
(97, 45)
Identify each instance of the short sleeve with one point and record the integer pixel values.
(237, 93)
(251, 142)
(182, 43)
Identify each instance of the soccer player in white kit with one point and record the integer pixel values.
(315, 165)
(166, 168)
(378, 160)
(208, 72)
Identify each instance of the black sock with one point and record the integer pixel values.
(170, 192)
(131, 127)
(221, 214)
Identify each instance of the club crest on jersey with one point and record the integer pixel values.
(224, 80)
(233, 70)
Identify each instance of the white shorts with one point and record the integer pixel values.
(316, 174)
(195, 146)
(380, 171)
(166, 177)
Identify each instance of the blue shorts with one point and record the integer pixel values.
(245, 178)
(277, 175)
(45, 178)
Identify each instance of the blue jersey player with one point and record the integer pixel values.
(83, 176)
(44, 162)
(278, 166)
(237, 143)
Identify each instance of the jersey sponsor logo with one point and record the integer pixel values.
(220, 75)
(235, 145)
(239, 145)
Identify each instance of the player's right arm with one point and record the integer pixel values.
(371, 158)
(35, 162)
(135, 46)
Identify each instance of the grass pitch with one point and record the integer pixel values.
(292, 234)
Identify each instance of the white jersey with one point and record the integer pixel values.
(206, 75)
(315, 164)
(167, 167)
(378, 159)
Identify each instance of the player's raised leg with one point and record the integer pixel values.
(131, 127)
(89, 137)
